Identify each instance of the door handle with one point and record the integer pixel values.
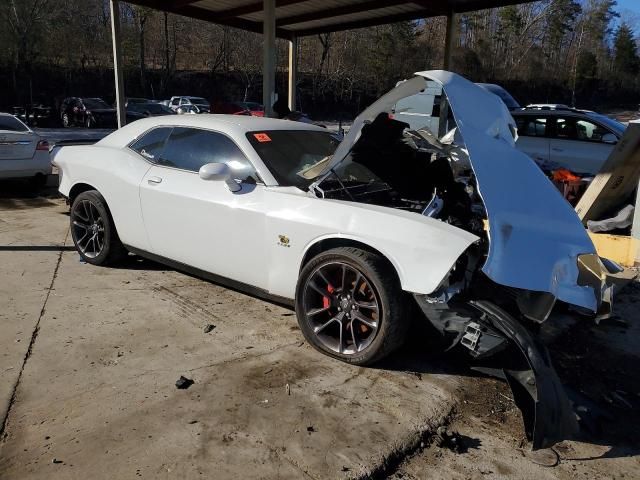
(154, 180)
(556, 149)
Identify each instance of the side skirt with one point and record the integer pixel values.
(212, 277)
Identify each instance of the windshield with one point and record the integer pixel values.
(294, 157)
(614, 125)
(95, 103)
(12, 124)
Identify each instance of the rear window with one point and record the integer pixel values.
(12, 124)
(290, 155)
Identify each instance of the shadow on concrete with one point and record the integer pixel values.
(25, 193)
(36, 248)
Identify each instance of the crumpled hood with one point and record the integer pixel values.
(535, 235)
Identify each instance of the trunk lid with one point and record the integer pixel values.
(17, 145)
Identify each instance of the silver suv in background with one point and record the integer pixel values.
(557, 136)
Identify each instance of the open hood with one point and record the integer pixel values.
(535, 235)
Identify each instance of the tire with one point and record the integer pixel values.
(330, 303)
(65, 121)
(93, 231)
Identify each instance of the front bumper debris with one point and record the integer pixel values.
(501, 346)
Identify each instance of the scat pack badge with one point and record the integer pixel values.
(283, 241)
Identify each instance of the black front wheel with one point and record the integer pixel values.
(350, 305)
(93, 231)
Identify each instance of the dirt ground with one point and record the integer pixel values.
(599, 362)
(89, 358)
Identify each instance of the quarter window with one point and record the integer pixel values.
(191, 148)
(150, 145)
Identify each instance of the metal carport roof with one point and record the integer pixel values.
(308, 17)
(290, 19)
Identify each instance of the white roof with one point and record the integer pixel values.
(232, 125)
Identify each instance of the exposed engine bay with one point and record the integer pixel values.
(409, 170)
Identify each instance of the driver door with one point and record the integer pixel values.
(201, 223)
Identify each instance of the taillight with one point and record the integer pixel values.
(43, 145)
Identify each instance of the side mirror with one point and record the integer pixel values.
(609, 138)
(217, 172)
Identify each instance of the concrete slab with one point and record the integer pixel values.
(29, 252)
(97, 393)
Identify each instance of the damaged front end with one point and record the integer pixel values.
(533, 251)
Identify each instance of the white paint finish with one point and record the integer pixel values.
(202, 224)
(116, 174)
(421, 249)
(236, 235)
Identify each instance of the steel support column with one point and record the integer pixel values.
(117, 62)
(448, 52)
(449, 40)
(269, 57)
(293, 71)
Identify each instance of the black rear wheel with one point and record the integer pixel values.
(93, 231)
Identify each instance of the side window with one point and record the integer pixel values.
(175, 101)
(191, 148)
(565, 128)
(589, 132)
(151, 143)
(530, 126)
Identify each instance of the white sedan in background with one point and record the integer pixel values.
(23, 153)
(359, 234)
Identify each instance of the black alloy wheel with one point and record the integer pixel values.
(93, 231)
(350, 305)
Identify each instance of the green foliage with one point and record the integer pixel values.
(625, 58)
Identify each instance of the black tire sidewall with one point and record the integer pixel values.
(110, 235)
(385, 286)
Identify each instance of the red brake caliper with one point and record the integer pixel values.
(326, 302)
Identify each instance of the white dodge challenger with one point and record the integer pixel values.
(356, 234)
